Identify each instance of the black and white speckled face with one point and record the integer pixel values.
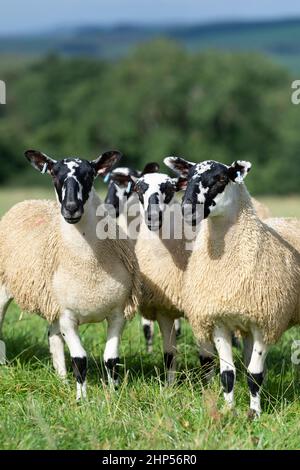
(121, 184)
(155, 192)
(120, 187)
(207, 180)
(209, 183)
(73, 179)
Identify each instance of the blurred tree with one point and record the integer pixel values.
(159, 100)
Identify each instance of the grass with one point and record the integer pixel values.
(37, 411)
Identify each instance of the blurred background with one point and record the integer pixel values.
(203, 79)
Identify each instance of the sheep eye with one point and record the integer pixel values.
(222, 179)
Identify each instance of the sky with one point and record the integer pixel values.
(34, 16)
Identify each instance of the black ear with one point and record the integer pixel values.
(135, 178)
(40, 161)
(103, 164)
(150, 168)
(180, 183)
(239, 170)
(120, 179)
(179, 165)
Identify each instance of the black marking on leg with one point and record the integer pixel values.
(147, 333)
(168, 360)
(79, 365)
(112, 367)
(227, 379)
(178, 332)
(254, 382)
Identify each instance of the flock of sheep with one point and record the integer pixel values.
(240, 273)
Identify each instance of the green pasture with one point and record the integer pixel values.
(37, 411)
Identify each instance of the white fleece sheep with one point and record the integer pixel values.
(124, 202)
(243, 273)
(53, 264)
(162, 257)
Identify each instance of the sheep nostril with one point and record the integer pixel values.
(72, 207)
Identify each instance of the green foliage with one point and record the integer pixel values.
(160, 100)
(278, 39)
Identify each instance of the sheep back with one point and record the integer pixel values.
(253, 278)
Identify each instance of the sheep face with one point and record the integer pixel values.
(155, 192)
(211, 186)
(73, 179)
(122, 181)
(120, 188)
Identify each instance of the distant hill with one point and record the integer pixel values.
(280, 39)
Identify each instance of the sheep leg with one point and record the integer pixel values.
(148, 328)
(255, 372)
(115, 328)
(207, 362)
(166, 325)
(248, 348)
(68, 326)
(177, 324)
(223, 342)
(5, 300)
(56, 346)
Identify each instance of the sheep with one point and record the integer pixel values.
(162, 257)
(262, 211)
(125, 206)
(205, 350)
(53, 264)
(244, 273)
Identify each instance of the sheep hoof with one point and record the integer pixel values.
(81, 392)
(170, 383)
(81, 399)
(113, 385)
(234, 412)
(229, 410)
(63, 379)
(61, 375)
(171, 378)
(253, 414)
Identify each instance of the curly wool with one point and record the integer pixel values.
(247, 272)
(262, 211)
(32, 251)
(125, 251)
(162, 264)
(29, 255)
